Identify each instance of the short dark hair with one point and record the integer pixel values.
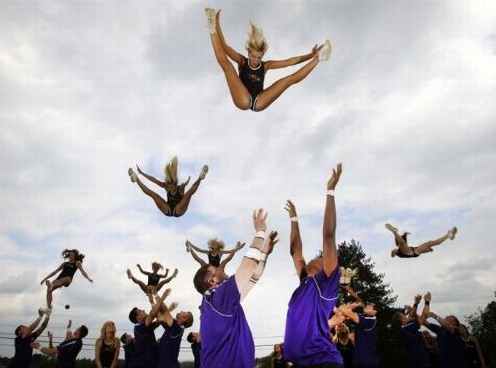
(83, 331)
(18, 330)
(396, 320)
(191, 338)
(200, 280)
(133, 315)
(189, 321)
(123, 338)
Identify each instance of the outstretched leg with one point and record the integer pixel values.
(140, 283)
(426, 247)
(271, 93)
(159, 201)
(183, 204)
(223, 264)
(400, 242)
(239, 93)
(165, 281)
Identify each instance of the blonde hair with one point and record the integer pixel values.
(216, 244)
(158, 265)
(256, 40)
(170, 171)
(104, 327)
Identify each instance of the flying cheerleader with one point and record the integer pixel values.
(154, 284)
(247, 86)
(73, 262)
(403, 250)
(214, 252)
(177, 197)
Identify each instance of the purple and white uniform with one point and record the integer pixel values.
(226, 337)
(168, 349)
(365, 353)
(306, 340)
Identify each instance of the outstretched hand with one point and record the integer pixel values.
(427, 297)
(336, 174)
(239, 245)
(417, 298)
(259, 218)
(271, 241)
(290, 207)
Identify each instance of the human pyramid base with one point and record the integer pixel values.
(316, 333)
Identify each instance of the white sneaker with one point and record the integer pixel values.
(325, 51)
(211, 23)
(204, 172)
(132, 175)
(391, 228)
(452, 232)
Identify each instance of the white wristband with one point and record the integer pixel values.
(263, 257)
(254, 253)
(294, 219)
(260, 234)
(330, 192)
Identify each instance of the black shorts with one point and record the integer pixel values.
(253, 102)
(403, 255)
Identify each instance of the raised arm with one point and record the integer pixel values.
(425, 312)
(268, 248)
(192, 246)
(412, 313)
(52, 273)
(329, 229)
(277, 64)
(165, 274)
(442, 321)
(349, 313)
(164, 315)
(295, 244)
(153, 313)
(182, 187)
(233, 54)
(237, 247)
(33, 325)
(151, 178)
(41, 327)
(252, 257)
(83, 272)
(68, 332)
(50, 339)
(51, 351)
(174, 274)
(143, 271)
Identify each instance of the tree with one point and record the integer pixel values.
(483, 325)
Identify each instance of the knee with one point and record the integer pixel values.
(242, 103)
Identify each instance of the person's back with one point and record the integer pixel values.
(365, 354)
(414, 343)
(68, 351)
(168, 348)
(450, 347)
(145, 345)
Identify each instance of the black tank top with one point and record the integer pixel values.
(69, 269)
(153, 279)
(253, 79)
(346, 351)
(214, 260)
(173, 199)
(106, 354)
(279, 363)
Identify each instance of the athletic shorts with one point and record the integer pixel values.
(253, 102)
(402, 255)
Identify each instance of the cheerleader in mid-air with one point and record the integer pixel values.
(214, 252)
(73, 262)
(177, 198)
(247, 86)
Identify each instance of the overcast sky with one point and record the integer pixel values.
(90, 88)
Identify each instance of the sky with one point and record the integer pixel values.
(90, 88)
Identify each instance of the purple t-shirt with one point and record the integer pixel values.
(226, 337)
(414, 344)
(145, 345)
(366, 341)
(23, 351)
(306, 340)
(449, 345)
(168, 349)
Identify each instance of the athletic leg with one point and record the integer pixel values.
(239, 93)
(402, 245)
(159, 201)
(196, 257)
(140, 283)
(426, 247)
(183, 204)
(271, 93)
(223, 264)
(51, 286)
